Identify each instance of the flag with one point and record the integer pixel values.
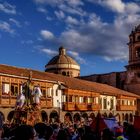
(111, 123)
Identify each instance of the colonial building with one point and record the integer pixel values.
(63, 64)
(65, 96)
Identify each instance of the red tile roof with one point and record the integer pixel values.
(72, 83)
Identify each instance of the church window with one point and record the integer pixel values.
(138, 38)
(138, 53)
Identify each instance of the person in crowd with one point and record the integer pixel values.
(24, 132)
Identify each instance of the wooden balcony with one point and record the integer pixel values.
(10, 101)
(69, 106)
(49, 103)
(126, 108)
(46, 102)
(94, 107)
(81, 106)
(7, 101)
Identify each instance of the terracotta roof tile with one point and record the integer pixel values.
(72, 83)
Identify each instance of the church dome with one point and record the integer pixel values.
(63, 64)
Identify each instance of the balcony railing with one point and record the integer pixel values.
(126, 107)
(6, 100)
(69, 106)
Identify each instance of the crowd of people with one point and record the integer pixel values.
(71, 131)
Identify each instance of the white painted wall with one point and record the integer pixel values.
(108, 102)
(57, 96)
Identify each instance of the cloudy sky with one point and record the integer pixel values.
(94, 32)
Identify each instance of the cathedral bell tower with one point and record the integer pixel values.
(133, 67)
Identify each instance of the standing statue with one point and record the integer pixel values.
(20, 101)
(36, 94)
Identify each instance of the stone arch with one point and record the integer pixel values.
(110, 115)
(85, 116)
(123, 117)
(68, 73)
(68, 117)
(10, 116)
(118, 117)
(92, 115)
(76, 117)
(104, 115)
(126, 117)
(131, 118)
(44, 116)
(2, 116)
(54, 117)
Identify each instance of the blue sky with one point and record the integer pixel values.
(94, 32)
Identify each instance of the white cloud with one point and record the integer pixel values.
(59, 14)
(4, 26)
(115, 5)
(71, 20)
(76, 56)
(75, 3)
(50, 2)
(132, 7)
(42, 10)
(7, 8)
(72, 10)
(119, 6)
(49, 18)
(46, 34)
(15, 22)
(68, 6)
(27, 42)
(96, 37)
(49, 51)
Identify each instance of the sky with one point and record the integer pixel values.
(94, 32)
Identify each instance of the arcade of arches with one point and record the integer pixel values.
(53, 116)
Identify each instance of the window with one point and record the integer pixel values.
(138, 38)
(70, 98)
(43, 90)
(131, 102)
(49, 92)
(85, 99)
(81, 99)
(138, 53)
(14, 89)
(64, 73)
(5, 88)
(105, 103)
(111, 104)
(122, 102)
(57, 92)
